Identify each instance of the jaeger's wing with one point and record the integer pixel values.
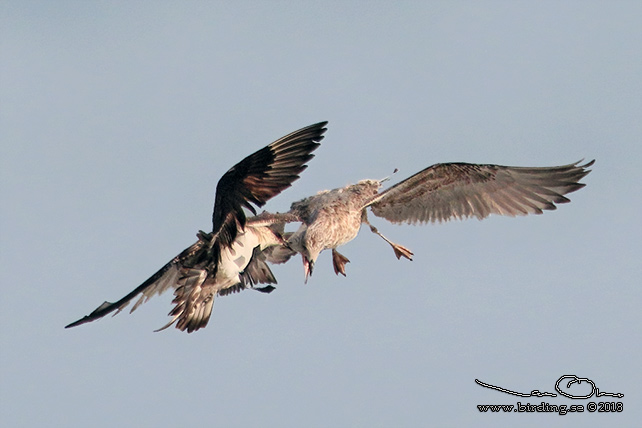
(196, 291)
(166, 277)
(254, 180)
(194, 297)
(259, 177)
(461, 190)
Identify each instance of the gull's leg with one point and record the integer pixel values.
(399, 250)
(339, 262)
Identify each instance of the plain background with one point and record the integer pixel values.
(118, 119)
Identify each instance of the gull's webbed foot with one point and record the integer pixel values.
(400, 251)
(339, 262)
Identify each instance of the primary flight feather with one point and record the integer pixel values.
(438, 193)
(230, 257)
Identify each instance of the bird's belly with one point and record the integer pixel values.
(236, 258)
(337, 230)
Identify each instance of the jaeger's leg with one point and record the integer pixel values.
(399, 250)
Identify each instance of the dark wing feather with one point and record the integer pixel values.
(193, 301)
(261, 176)
(254, 180)
(461, 190)
(257, 271)
(166, 277)
(195, 294)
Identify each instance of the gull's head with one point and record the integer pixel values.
(371, 187)
(367, 188)
(307, 246)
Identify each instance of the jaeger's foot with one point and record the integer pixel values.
(400, 251)
(339, 262)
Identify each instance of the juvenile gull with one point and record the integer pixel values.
(438, 193)
(230, 258)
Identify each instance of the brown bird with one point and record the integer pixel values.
(438, 193)
(230, 258)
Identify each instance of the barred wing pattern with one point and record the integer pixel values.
(461, 190)
(166, 277)
(254, 180)
(194, 297)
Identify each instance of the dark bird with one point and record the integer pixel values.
(438, 193)
(231, 257)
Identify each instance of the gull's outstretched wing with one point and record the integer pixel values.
(166, 277)
(461, 190)
(261, 176)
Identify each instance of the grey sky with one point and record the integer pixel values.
(118, 118)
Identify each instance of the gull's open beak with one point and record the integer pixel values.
(383, 180)
(308, 267)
